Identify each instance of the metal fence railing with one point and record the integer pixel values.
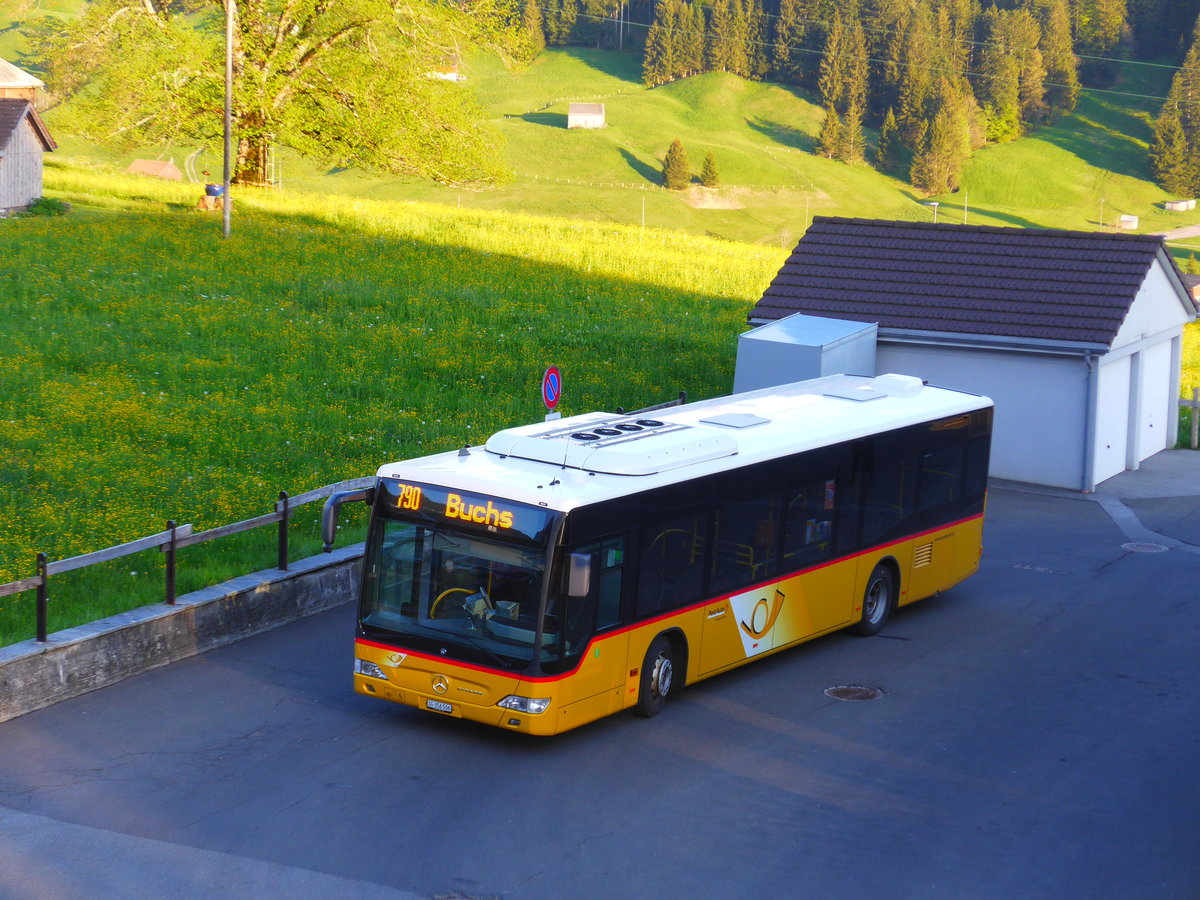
(170, 541)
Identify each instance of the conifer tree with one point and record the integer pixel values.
(854, 93)
(883, 23)
(938, 163)
(660, 62)
(1058, 54)
(737, 59)
(718, 35)
(829, 141)
(677, 175)
(1097, 25)
(829, 81)
(843, 84)
(936, 168)
(916, 82)
(757, 37)
(560, 16)
(691, 39)
(790, 28)
(998, 86)
(887, 151)
(533, 31)
(709, 177)
(1171, 160)
(1175, 147)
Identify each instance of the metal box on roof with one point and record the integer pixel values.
(800, 347)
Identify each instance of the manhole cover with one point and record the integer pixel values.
(1143, 547)
(853, 692)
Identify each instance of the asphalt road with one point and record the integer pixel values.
(1038, 736)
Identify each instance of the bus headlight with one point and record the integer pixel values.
(530, 705)
(363, 667)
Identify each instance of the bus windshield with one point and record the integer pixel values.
(458, 575)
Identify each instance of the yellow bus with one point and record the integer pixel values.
(574, 568)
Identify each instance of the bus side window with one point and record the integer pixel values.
(745, 537)
(941, 478)
(976, 470)
(609, 569)
(808, 523)
(601, 608)
(671, 563)
(889, 499)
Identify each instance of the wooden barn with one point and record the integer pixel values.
(23, 140)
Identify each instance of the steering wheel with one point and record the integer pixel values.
(433, 610)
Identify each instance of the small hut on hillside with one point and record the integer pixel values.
(23, 140)
(585, 115)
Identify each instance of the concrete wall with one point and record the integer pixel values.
(82, 659)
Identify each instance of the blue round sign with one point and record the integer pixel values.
(551, 387)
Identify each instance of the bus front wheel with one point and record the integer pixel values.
(879, 600)
(657, 677)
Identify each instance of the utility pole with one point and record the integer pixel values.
(230, 6)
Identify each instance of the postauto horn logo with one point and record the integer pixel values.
(756, 616)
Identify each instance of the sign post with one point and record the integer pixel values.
(552, 392)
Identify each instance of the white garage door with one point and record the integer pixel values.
(1155, 391)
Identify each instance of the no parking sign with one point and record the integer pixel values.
(551, 388)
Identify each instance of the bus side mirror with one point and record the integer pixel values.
(579, 574)
(329, 513)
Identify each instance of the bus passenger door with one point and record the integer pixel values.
(594, 639)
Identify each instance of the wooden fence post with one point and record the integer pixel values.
(41, 598)
(169, 551)
(282, 506)
(1195, 418)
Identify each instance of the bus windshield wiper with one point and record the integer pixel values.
(496, 657)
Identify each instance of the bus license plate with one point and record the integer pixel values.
(439, 706)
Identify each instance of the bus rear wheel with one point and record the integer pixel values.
(657, 678)
(879, 600)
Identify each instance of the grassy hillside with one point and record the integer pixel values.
(762, 136)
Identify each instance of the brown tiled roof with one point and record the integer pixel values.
(1061, 286)
(12, 113)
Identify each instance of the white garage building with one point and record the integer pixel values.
(1077, 336)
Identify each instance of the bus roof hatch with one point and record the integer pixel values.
(613, 445)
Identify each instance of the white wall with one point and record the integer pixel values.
(1155, 311)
